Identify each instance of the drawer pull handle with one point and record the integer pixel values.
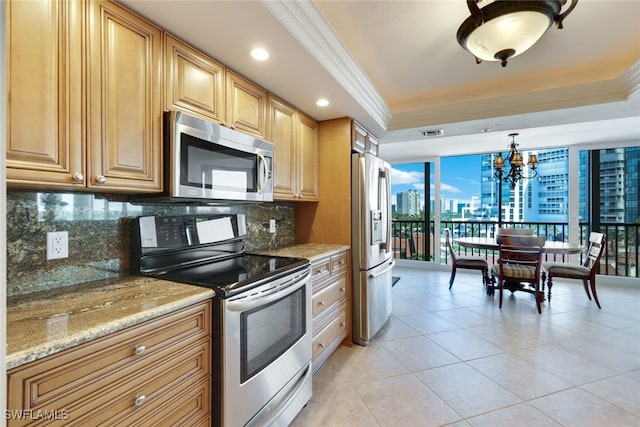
(140, 349)
(321, 303)
(342, 289)
(321, 344)
(343, 324)
(100, 179)
(139, 400)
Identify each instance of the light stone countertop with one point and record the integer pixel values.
(48, 322)
(310, 251)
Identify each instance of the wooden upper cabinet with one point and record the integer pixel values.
(194, 83)
(45, 145)
(83, 116)
(282, 133)
(124, 100)
(358, 137)
(372, 144)
(295, 139)
(307, 158)
(246, 106)
(362, 141)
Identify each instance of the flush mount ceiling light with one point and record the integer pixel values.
(506, 28)
(322, 102)
(259, 54)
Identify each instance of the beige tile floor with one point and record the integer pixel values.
(454, 358)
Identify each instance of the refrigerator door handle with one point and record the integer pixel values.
(386, 208)
(380, 273)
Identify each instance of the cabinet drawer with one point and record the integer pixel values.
(79, 377)
(339, 262)
(328, 295)
(336, 328)
(186, 405)
(149, 393)
(320, 270)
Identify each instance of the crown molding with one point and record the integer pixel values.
(631, 78)
(307, 25)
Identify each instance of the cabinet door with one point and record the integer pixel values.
(125, 104)
(307, 158)
(372, 144)
(282, 133)
(193, 82)
(358, 138)
(44, 109)
(246, 106)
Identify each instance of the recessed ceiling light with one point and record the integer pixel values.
(322, 102)
(259, 54)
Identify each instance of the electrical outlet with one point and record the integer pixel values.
(57, 244)
(272, 226)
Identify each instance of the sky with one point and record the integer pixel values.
(460, 178)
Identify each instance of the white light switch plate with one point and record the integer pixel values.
(272, 226)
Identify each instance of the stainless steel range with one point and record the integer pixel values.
(262, 312)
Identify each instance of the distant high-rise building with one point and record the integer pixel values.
(632, 183)
(619, 182)
(541, 199)
(408, 202)
(545, 198)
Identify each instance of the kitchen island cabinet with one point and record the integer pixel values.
(132, 352)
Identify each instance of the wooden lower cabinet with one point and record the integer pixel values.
(331, 299)
(155, 373)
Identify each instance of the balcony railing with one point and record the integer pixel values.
(619, 259)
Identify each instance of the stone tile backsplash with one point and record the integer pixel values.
(99, 235)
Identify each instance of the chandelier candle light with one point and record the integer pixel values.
(515, 173)
(504, 28)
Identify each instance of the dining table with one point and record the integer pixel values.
(490, 243)
(550, 247)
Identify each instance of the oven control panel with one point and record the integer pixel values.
(182, 231)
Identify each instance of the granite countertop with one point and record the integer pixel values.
(48, 322)
(45, 323)
(310, 251)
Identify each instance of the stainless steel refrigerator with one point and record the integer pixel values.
(371, 245)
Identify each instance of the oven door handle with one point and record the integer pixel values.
(262, 298)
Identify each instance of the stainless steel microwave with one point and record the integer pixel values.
(206, 161)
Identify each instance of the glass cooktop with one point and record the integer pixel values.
(233, 275)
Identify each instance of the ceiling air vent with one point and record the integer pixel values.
(432, 133)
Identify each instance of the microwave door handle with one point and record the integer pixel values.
(263, 173)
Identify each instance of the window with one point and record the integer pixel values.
(410, 213)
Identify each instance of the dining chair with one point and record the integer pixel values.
(468, 262)
(585, 271)
(515, 231)
(519, 264)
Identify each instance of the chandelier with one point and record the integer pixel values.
(506, 28)
(516, 165)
